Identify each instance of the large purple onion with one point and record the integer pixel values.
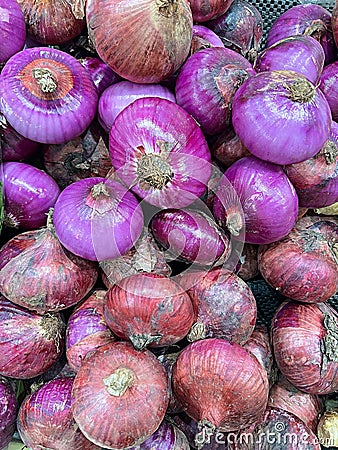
(328, 83)
(167, 437)
(12, 29)
(8, 412)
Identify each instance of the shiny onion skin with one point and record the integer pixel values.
(281, 117)
(167, 437)
(158, 150)
(97, 218)
(53, 22)
(8, 412)
(303, 266)
(150, 310)
(86, 329)
(228, 148)
(302, 54)
(118, 378)
(12, 29)
(304, 339)
(148, 40)
(202, 11)
(47, 95)
(37, 273)
(328, 83)
(206, 85)
(45, 418)
(220, 385)
(101, 74)
(260, 346)
(203, 37)
(268, 199)
(226, 308)
(29, 343)
(29, 194)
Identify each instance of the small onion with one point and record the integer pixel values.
(328, 83)
(202, 11)
(166, 437)
(12, 29)
(101, 74)
(29, 194)
(228, 148)
(29, 343)
(281, 117)
(118, 378)
(327, 430)
(203, 37)
(248, 262)
(47, 95)
(8, 412)
(97, 218)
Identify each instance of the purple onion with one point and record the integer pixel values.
(47, 95)
(116, 97)
(281, 117)
(302, 54)
(101, 74)
(309, 19)
(203, 37)
(97, 218)
(268, 199)
(328, 83)
(158, 150)
(12, 29)
(166, 437)
(29, 194)
(8, 412)
(207, 83)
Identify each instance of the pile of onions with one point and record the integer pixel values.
(328, 83)
(29, 343)
(12, 29)
(304, 338)
(36, 272)
(116, 377)
(45, 418)
(8, 412)
(149, 309)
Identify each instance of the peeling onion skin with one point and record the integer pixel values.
(8, 411)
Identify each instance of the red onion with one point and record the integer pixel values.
(227, 148)
(97, 218)
(159, 151)
(203, 37)
(259, 345)
(116, 97)
(202, 11)
(226, 307)
(301, 53)
(269, 201)
(303, 266)
(45, 419)
(206, 85)
(166, 437)
(118, 378)
(147, 41)
(150, 310)
(192, 236)
(281, 117)
(101, 74)
(8, 412)
(309, 19)
(316, 179)
(328, 83)
(168, 360)
(47, 95)
(304, 338)
(12, 29)
(36, 272)
(29, 194)
(248, 262)
(86, 329)
(29, 343)
(220, 385)
(240, 28)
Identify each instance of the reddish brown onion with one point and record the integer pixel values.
(202, 10)
(248, 262)
(228, 148)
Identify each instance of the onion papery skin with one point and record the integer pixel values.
(37, 273)
(116, 97)
(159, 36)
(149, 309)
(302, 54)
(268, 199)
(165, 131)
(220, 385)
(228, 148)
(30, 343)
(142, 396)
(29, 194)
(100, 72)
(168, 360)
(202, 11)
(61, 113)
(191, 236)
(260, 346)
(88, 218)
(207, 83)
(327, 430)
(12, 29)
(328, 83)
(303, 265)
(45, 419)
(240, 28)
(166, 437)
(316, 179)
(8, 413)
(308, 407)
(281, 117)
(226, 307)
(203, 37)
(304, 338)
(86, 329)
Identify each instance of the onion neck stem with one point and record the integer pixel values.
(167, 8)
(197, 332)
(317, 29)
(301, 90)
(119, 381)
(330, 152)
(99, 189)
(141, 341)
(154, 171)
(45, 79)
